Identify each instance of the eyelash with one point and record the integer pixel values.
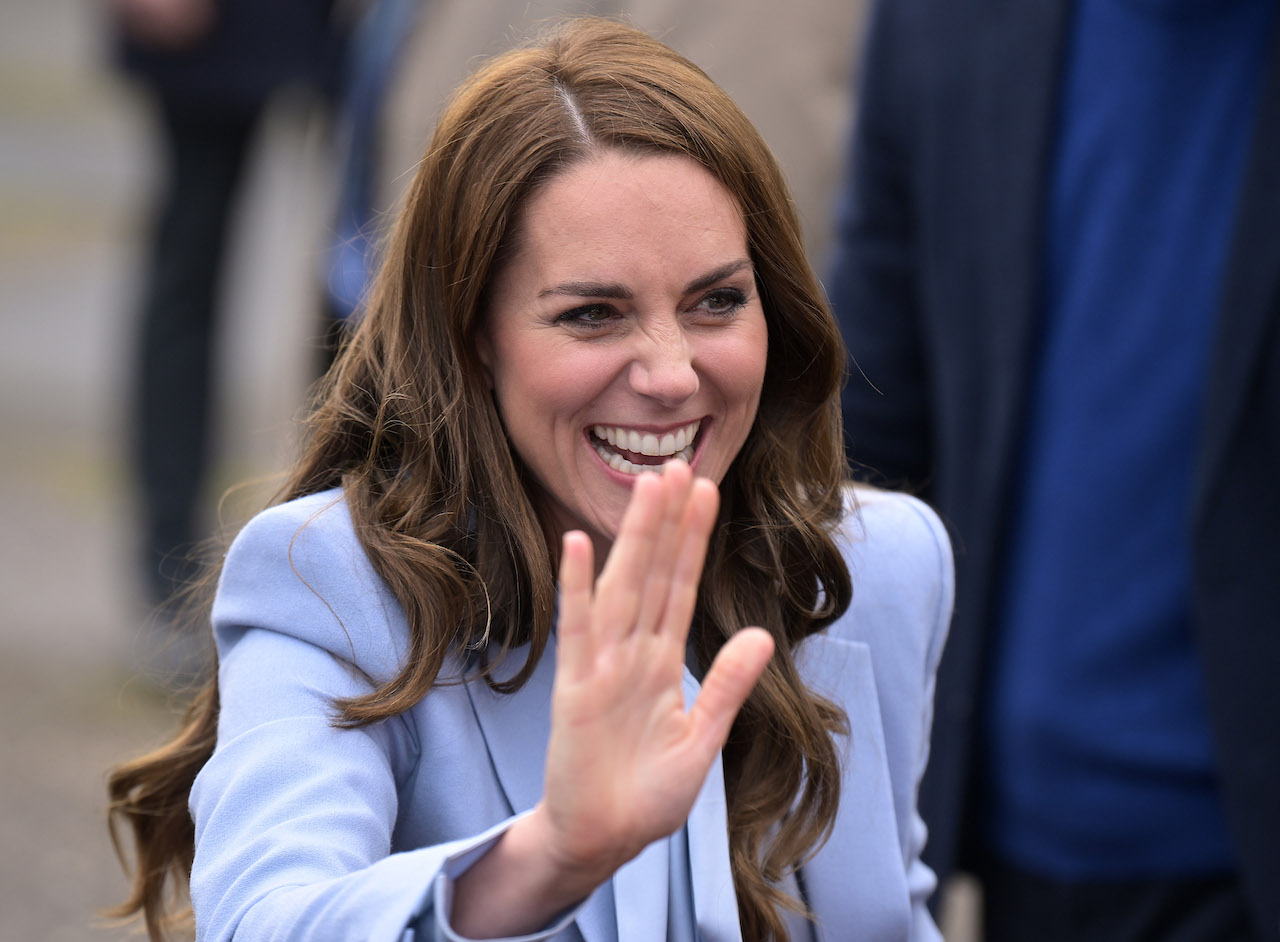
(578, 316)
(731, 298)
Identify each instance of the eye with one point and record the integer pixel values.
(591, 316)
(723, 302)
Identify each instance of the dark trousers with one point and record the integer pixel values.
(1020, 906)
(173, 390)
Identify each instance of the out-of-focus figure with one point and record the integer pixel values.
(210, 67)
(371, 65)
(1059, 278)
(787, 65)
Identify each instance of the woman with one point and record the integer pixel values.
(597, 275)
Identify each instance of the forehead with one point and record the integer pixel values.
(618, 205)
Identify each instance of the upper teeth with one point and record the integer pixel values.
(648, 443)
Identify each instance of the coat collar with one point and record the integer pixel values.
(838, 882)
(632, 908)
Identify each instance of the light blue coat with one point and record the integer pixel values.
(305, 831)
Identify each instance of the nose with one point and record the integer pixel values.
(662, 367)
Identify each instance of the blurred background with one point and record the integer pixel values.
(78, 167)
(81, 168)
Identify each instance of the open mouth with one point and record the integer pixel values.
(631, 451)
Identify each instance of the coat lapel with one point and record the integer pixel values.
(1251, 291)
(845, 882)
(1014, 104)
(715, 904)
(517, 728)
(640, 890)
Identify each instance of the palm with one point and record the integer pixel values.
(626, 761)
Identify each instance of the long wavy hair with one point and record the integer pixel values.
(406, 425)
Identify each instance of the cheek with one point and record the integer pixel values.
(546, 393)
(739, 369)
(758, 358)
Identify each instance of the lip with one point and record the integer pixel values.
(622, 477)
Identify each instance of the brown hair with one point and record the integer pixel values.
(406, 425)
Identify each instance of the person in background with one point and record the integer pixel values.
(484, 671)
(210, 68)
(371, 62)
(1058, 274)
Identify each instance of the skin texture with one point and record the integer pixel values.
(631, 302)
(563, 356)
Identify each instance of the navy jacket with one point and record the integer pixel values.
(936, 284)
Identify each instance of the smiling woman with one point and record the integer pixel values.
(483, 672)
(628, 304)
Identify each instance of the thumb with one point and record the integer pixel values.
(733, 673)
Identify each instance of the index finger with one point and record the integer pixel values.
(575, 647)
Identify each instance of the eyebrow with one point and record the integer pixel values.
(606, 289)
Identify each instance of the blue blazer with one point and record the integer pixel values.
(307, 831)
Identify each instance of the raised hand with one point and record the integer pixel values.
(625, 760)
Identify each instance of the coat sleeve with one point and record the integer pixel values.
(295, 817)
(872, 276)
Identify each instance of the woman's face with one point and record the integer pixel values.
(626, 330)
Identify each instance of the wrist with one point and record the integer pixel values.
(578, 872)
(522, 883)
